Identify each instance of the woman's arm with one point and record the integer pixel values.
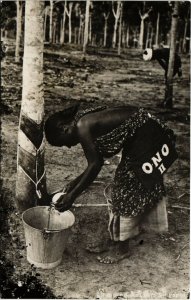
(94, 160)
(95, 163)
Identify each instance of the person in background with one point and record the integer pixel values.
(138, 183)
(162, 56)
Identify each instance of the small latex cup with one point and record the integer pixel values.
(147, 54)
(56, 197)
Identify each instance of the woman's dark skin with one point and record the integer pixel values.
(87, 129)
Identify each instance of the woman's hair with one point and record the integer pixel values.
(55, 124)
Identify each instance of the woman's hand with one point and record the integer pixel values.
(64, 203)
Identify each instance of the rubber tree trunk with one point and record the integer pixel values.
(62, 37)
(45, 22)
(127, 37)
(157, 31)
(185, 32)
(51, 18)
(105, 28)
(90, 28)
(148, 35)
(123, 35)
(86, 26)
(18, 31)
(120, 29)
(31, 180)
(116, 15)
(168, 102)
(80, 29)
(151, 38)
(69, 14)
(141, 35)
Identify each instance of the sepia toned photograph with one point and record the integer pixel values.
(95, 149)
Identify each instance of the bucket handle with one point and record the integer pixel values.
(46, 232)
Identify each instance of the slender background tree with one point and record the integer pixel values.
(18, 31)
(169, 84)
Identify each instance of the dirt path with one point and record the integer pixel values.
(158, 267)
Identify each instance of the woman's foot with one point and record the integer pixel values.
(99, 247)
(116, 253)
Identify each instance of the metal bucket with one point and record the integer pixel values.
(45, 247)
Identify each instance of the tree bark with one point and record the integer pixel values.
(19, 31)
(90, 29)
(80, 29)
(141, 36)
(51, 18)
(148, 35)
(127, 37)
(86, 26)
(151, 38)
(54, 32)
(105, 28)
(185, 32)
(62, 37)
(45, 21)
(157, 31)
(69, 14)
(120, 29)
(168, 103)
(31, 181)
(116, 15)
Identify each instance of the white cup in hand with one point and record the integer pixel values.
(56, 197)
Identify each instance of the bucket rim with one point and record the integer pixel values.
(41, 230)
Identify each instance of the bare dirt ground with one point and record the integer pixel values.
(159, 266)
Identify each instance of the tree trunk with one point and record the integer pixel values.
(151, 38)
(80, 32)
(75, 35)
(105, 29)
(116, 15)
(127, 37)
(54, 32)
(90, 29)
(69, 13)
(120, 29)
(168, 103)
(31, 182)
(51, 17)
(45, 20)
(19, 30)
(185, 32)
(86, 26)
(157, 31)
(62, 37)
(123, 35)
(141, 36)
(147, 37)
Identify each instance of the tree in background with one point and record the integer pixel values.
(69, 14)
(157, 30)
(46, 14)
(18, 31)
(143, 15)
(120, 28)
(86, 25)
(116, 14)
(168, 103)
(106, 16)
(31, 182)
(63, 22)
